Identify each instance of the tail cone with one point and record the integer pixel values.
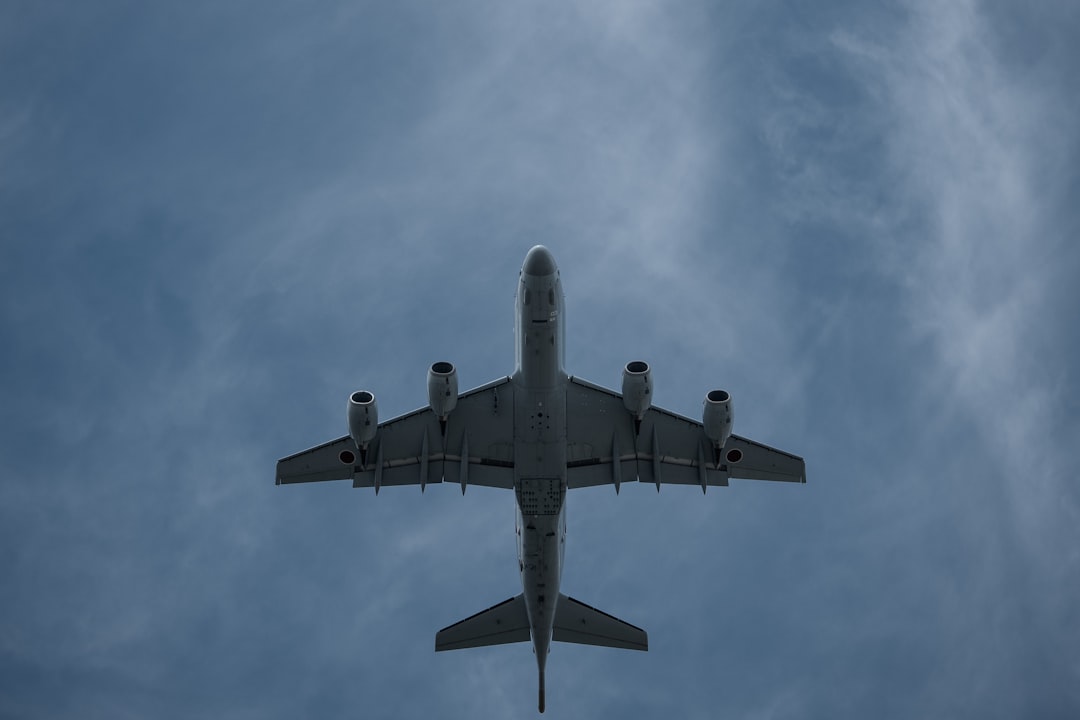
(541, 691)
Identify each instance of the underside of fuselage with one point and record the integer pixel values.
(540, 445)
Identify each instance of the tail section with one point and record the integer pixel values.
(507, 622)
(576, 622)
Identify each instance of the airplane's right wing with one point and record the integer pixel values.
(605, 446)
(410, 449)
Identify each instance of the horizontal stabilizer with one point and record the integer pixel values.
(577, 622)
(507, 622)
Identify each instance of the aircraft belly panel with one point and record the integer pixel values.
(540, 496)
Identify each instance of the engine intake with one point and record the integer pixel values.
(718, 416)
(637, 388)
(442, 390)
(363, 418)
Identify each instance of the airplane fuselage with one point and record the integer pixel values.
(540, 443)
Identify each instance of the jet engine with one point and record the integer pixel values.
(363, 418)
(718, 417)
(442, 389)
(637, 388)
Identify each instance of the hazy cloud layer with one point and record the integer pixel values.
(218, 221)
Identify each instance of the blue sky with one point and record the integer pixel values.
(217, 220)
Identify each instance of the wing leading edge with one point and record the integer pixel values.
(605, 447)
(411, 449)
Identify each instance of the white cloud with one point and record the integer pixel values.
(975, 151)
(966, 141)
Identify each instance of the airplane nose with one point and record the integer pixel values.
(539, 262)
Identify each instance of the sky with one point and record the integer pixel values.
(219, 219)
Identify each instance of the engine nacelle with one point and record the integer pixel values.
(637, 388)
(718, 416)
(363, 418)
(442, 389)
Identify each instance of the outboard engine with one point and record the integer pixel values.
(363, 418)
(718, 417)
(637, 389)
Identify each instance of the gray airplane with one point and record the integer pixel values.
(540, 433)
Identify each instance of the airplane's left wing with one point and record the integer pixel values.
(412, 449)
(605, 445)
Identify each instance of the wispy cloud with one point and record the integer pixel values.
(976, 150)
(863, 219)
